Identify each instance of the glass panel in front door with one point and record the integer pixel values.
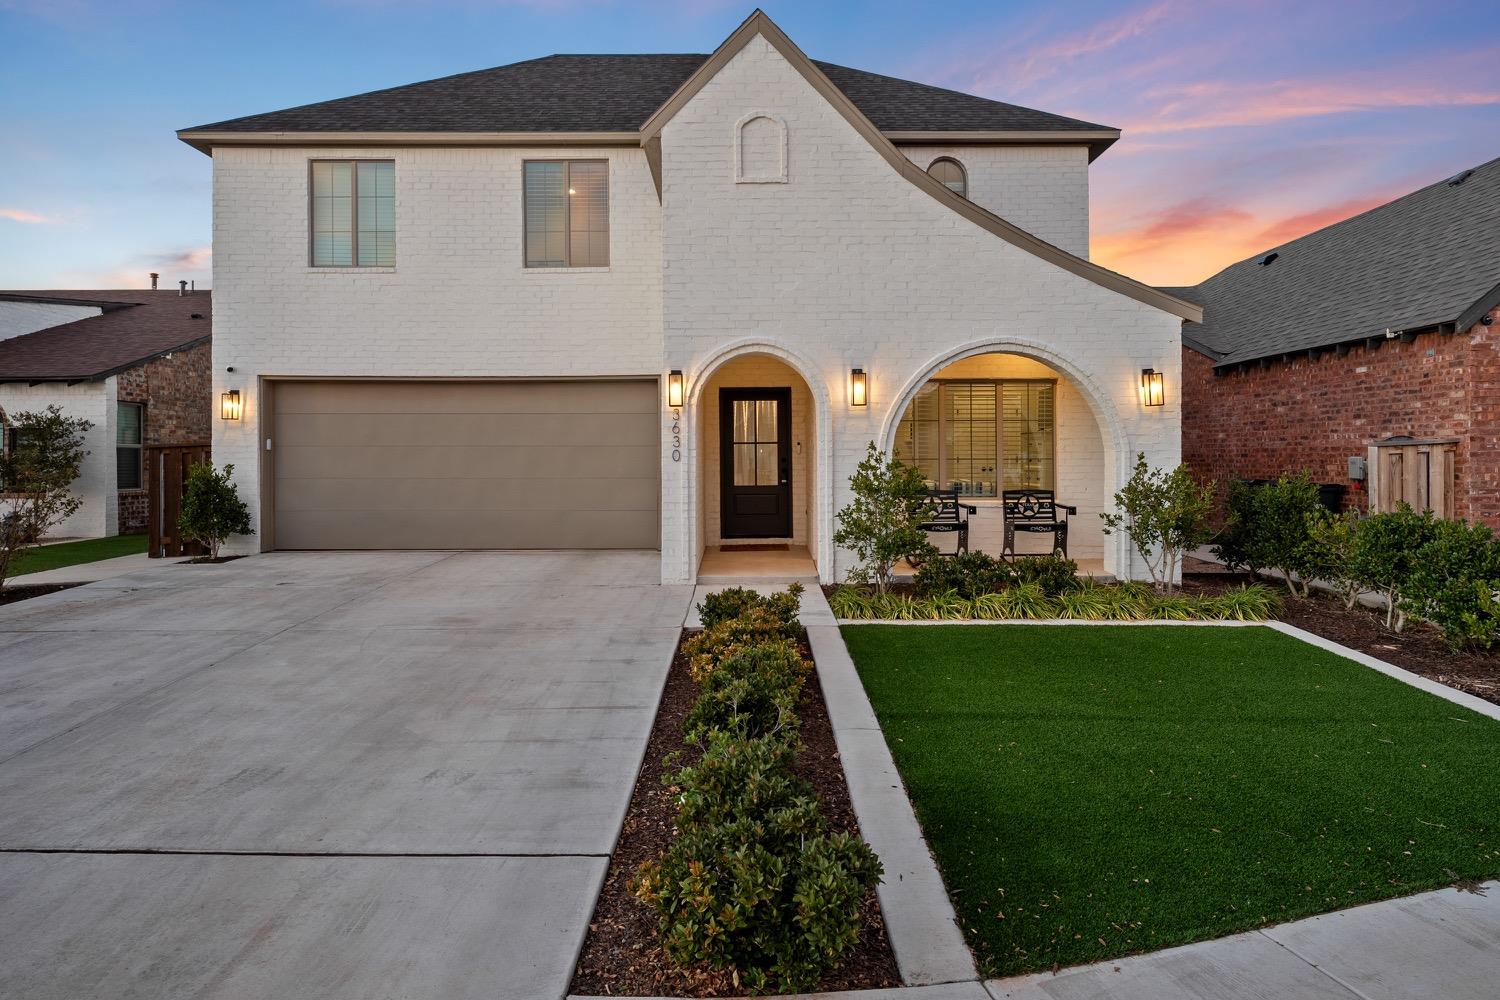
(756, 430)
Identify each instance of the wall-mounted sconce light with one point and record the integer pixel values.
(1153, 389)
(674, 389)
(859, 394)
(229, 405)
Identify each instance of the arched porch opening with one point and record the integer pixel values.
(757, 422)
(1008, 415)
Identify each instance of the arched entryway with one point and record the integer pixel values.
(1009, 415)
(758, 494)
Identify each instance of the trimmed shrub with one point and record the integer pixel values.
(1384, 552)
(735, 601)
(1232, 541)
(1055, 574)
(883, 522)
(1454, 582)
(1279, 533)
(967, 575)
(751, 694)
(1332, 544)
(757, 626)
(1164, 514)
(212, 510)
(772, 896)
(737, 778)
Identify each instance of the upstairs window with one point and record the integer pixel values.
(951, 174)
(353, 213)
(128, 424)
(567, 213)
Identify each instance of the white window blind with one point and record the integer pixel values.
(353, 213)
(567, 213)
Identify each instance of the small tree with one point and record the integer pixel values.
(1281, 538)
(883, 524)
(1331, 547)
(212, 509)
(36, 477)
(1384, 553)
(1163, 514)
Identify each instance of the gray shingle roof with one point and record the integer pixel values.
(135, 327)
(617, 93)
(1429, 258)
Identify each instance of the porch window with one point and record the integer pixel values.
(981, 437)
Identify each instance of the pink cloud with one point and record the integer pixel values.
(21, 215)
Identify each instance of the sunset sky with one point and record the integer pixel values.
(1245, 124)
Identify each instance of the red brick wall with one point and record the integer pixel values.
(1312, 415)
(177, 393)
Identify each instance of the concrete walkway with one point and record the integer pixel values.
(90, 572)
(1442, 945)
(322, 774)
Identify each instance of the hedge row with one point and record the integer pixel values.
(754, 883)
(1088, 601)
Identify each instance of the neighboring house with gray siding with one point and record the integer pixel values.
(665, 302)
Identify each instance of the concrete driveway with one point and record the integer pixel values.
(392, 774)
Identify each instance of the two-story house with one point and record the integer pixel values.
(665, 301)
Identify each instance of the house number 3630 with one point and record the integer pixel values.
(676, 435)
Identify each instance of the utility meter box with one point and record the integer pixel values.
(1357, 467)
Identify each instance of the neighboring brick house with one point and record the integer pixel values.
(1366, 353)
(665, 302)
(133, 363)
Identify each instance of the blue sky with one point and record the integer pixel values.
(1245, 124)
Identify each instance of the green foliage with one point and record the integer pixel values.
(752, 694)
(738, 778)
(967, 575)
(753, 882)
(772, 897)
(734, 601)
(1086, 600)
(882, 524)
(1331, 540)
(1055, 574)
(1454, 582)
(36, 479)
(212, 509)
(1251, 603)
(756, 626)
(1274, 526)
(1164, 514)
(1384, 552)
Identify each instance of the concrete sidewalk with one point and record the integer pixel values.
(91, 572)
(1443, 945)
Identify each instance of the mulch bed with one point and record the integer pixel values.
(620, 956)
(25, 591)
(208, 559)
(1419, 647)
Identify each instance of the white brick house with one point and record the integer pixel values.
(483, 353)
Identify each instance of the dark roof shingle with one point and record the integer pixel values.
(135, 327)
(617, 93)
(1425, 259)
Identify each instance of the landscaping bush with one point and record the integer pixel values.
(738, 778)
(752, 694)
(1055, 574)
(1273, 526)
(882, 524)
(1164, 514)
(735, 601)
(1332, 543)
(1087, 600)
(1384, 552)
(1454, 583)
(757, 626)
(967, 575)
(1250, 603)
(772, 896)
(212, 509)
(36, 479)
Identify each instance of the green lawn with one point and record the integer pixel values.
(1095, 791)
(88, 550)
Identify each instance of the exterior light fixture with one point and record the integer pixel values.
(859, 394)
(674, 389)
(1153, 390)
(229, 405)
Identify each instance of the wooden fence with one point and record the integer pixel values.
(166, 479)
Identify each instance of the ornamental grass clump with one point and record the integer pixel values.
(754, 883)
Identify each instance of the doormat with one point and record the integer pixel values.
(774, 547)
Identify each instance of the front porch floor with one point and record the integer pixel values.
(768, 565)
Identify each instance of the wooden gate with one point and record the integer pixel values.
(166, 480)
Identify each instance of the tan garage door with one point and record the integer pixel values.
(443, 465)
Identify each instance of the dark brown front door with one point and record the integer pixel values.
(755, 463)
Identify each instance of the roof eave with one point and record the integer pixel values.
(100, 376)
(1097, 140)
(204, 140)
